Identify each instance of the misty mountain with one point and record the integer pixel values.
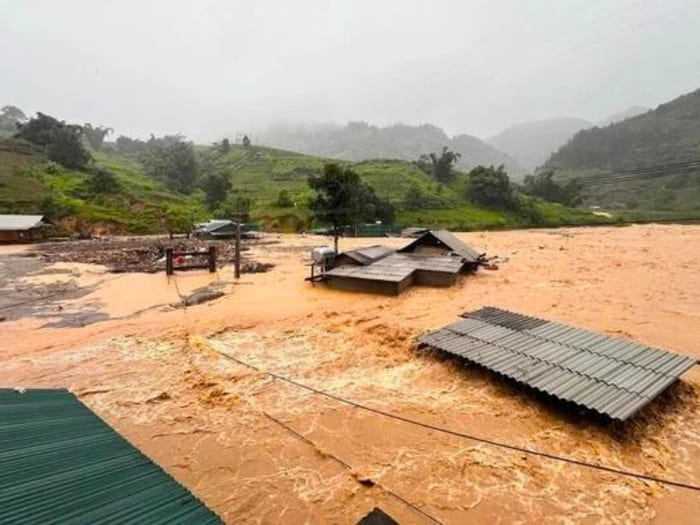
(667, 135)
(362, 141)
(630, 112)
(531, 143)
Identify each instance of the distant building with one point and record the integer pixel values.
(22, 228)
(224, 229)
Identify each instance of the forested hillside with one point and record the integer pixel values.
(657, 147)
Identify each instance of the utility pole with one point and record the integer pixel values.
(237, 256)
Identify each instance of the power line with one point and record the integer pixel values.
(352, 470)
(464, 435)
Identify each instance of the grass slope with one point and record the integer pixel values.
(259, 173)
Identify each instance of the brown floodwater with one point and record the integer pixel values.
(256, 449)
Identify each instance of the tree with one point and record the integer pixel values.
(63, 142)
(544, 186)
(439, 166)
(39, 130)
(284, 199)
(172, 160)
(10, 117)
(342, 199)
(236, 206)
(490, 187)
(176, 220)
(95, 136)
(130, 147)
(225, 146)
(215, 188)
(246, 141)
(67, 149)
(103, 181)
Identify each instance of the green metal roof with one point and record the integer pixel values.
(59, 462)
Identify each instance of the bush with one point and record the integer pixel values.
(490, 187)
(284, 200)
(102, 182)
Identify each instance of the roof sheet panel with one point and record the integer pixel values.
(20, 222)
(61, 463)
(612, 376)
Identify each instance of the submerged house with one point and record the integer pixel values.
(434, 259)
(22, 228)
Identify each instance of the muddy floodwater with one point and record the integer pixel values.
(260, 450)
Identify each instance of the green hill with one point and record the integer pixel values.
(30, 184)
(669, 134)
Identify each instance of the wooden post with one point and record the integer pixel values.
(169, 270)
(212, 259)
(237, 256)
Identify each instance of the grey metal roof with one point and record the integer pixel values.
(60, 463)
(398, 266)
(448, 240)
(214, 225)
(369, 254)
(373, 272)
(609, 375)
(21, 222)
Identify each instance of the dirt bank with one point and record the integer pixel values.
(230, 433)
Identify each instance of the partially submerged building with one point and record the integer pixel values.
(22, 228)
(436, 258)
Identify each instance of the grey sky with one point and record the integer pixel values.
(207, 68)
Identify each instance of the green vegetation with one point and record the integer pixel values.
(658, 139)
(256, 176)
(342, 199)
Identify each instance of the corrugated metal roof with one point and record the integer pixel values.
(20, 222)
(447, 239)
(373, 272)
(60, 463)
(398, 266)
(369, 254)
(606, 374)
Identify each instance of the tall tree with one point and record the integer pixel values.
(95, 135)
(172, 160)
(342, 199)
(63, 142)
(246, 141)
(10, 117)
(440, 165)
(225, 146)
(215, 186)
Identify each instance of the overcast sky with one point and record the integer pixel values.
(210, 68)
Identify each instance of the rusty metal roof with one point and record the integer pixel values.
(447, 240)
(612, 376)
(60, 463)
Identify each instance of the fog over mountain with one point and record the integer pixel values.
(360, 141)
(211, 68)
(531, 143)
